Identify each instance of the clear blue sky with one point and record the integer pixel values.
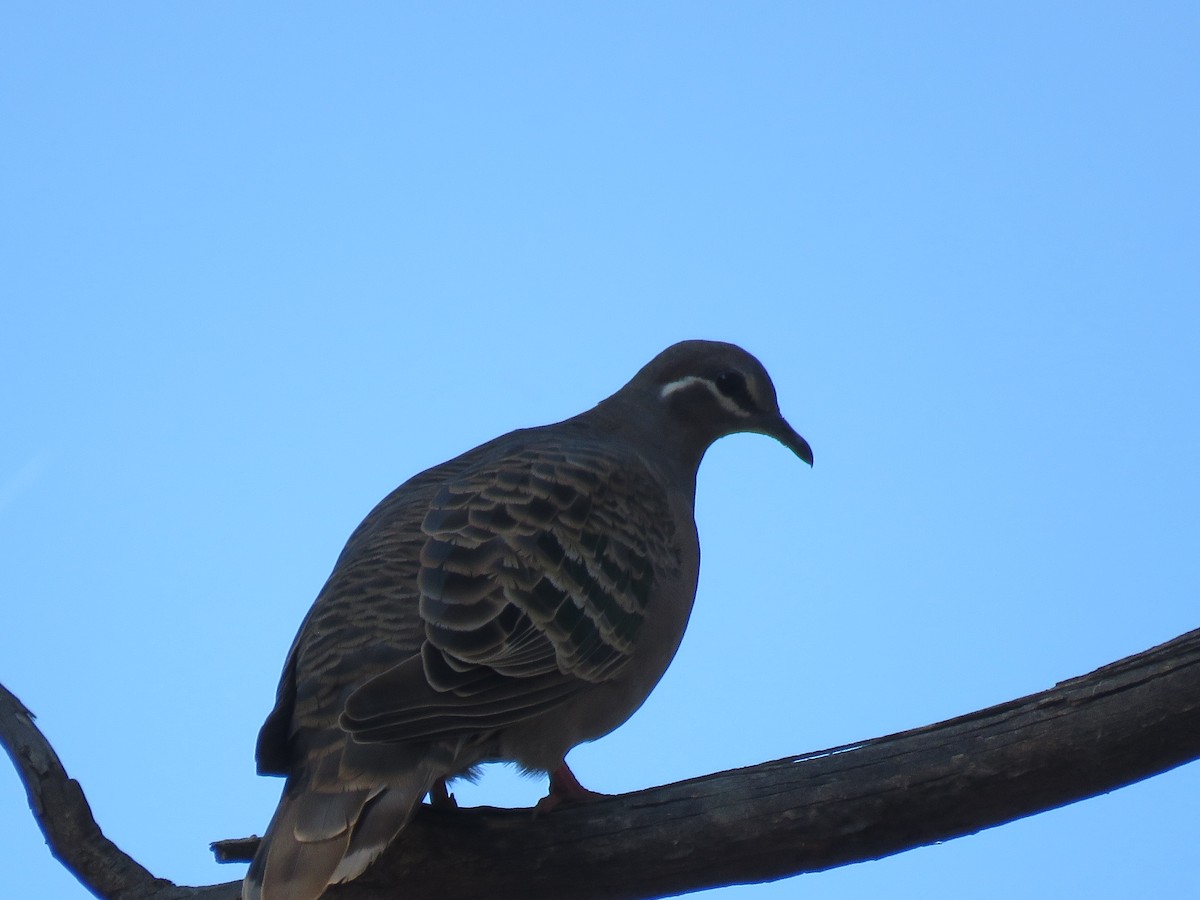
(261, 263)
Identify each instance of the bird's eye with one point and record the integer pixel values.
(732, 384)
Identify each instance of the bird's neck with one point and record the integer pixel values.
(661, 443)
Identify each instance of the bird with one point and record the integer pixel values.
(505, 605)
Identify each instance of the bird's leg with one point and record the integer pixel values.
(440, 796)
(565, 788)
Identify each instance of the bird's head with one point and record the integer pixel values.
(708, 389)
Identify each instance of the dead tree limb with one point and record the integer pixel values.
(1122, 723)
(63, 814)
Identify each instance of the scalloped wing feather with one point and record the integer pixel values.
(534, 578)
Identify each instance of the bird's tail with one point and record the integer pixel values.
(321, 837)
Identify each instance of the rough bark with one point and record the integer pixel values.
(1092, 734)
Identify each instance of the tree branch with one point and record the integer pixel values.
(1092, 734)
(63, 814)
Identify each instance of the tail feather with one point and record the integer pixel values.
(319, 838)
(382, 819)
(319, 816)
(277, 870)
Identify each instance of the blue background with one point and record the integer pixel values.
(259, 264)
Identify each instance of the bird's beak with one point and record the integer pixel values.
(787, 435)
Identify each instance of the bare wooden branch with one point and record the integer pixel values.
(63, 814)
(1120, 724)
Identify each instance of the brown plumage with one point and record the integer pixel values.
(506, 605)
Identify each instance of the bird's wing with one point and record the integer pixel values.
(535, 574)
(364, 621)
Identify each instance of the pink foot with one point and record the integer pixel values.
(565, 788)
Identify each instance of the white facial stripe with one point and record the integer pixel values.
(681, 384)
